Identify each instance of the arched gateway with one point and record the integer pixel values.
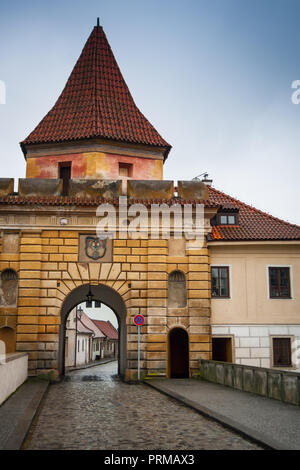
(106, 295)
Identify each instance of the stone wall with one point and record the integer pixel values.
(252, 344)
(278, 384)
(45, 254)
(49, 270)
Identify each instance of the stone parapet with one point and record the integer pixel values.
(150, 189)
(278, 384)
(192, 190)
(6, 186)
(108, 189)
(40, 186)
(13, 372)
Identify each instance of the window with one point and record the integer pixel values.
(220, 281)
(65, 175)
(282, 352)
(279, 283)
(176, 290)
(8, 288)
(222, 349)
(227, 219)
(78, 345)
(125, 169)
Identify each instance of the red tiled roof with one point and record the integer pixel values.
(107, 328)
(92, 201)
(81, 328)
(88, 323)
(253, 223)
(96, 102)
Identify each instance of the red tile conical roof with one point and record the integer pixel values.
(96, 102)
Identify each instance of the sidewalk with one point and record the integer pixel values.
(105, 360)
(270, 422)
(18, 411)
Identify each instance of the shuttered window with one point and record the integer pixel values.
(282, 352)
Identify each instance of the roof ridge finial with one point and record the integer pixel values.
(98, 21)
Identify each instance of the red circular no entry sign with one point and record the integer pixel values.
(139, 320)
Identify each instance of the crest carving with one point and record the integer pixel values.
(95, 248)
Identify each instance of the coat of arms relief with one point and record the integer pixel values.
(93, 249)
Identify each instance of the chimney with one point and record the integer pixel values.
(206, 181)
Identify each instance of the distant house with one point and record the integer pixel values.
(84, 344)
(110, 343)
(98, 339)
(88, 340)
(78, 340)
(71, 333)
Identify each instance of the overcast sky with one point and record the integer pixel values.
(101, 313)
(213, 76)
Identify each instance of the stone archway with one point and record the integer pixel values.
(106, 295)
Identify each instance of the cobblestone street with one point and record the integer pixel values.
(93, 409)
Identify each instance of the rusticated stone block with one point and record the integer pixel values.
(228, 375)
(6, 186)
(260, 382)
(211, 372)
(108, 189)
(290, 388)
(40, 187)
(192, 190)
(238, 378)
(248, 380)
(220, 373)
(274, 385)
(150, 189)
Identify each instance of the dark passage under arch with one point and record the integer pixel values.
(107, 296)
(179, 353)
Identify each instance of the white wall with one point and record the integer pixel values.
(252, 344)
(83, 355)
(70, 350)
(99, 349)
(13, 373)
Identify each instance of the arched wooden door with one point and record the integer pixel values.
(178, 353)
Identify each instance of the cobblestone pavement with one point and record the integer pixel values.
(93, 409)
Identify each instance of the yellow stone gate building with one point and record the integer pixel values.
(93, 149)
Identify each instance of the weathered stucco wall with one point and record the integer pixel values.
(249, 301)
(95, 165)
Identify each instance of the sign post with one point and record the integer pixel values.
(138, 321)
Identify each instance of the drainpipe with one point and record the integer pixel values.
(76, 339)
